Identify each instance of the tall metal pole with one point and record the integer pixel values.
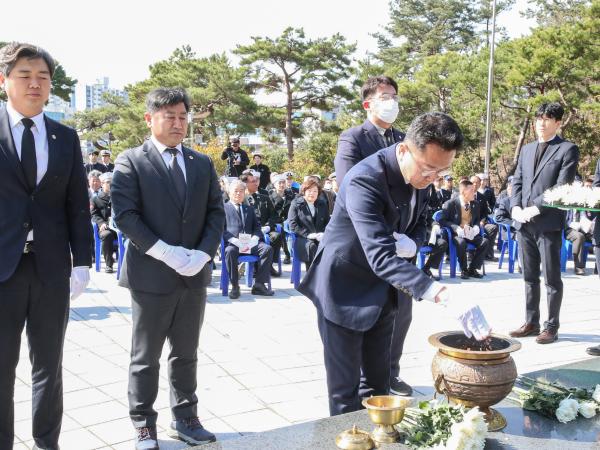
(488, 121)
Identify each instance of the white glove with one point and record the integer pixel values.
(405, 246)
(435, 229)
(312, 236)
(586, 224)
(265, 229)
(80, 277)
(460, 232)
(575, 226)
(531, 212)
(319, 237)
(198, 260)
(518, 215)
(175, 257)
(474, 231)
(437, 293)
(474, 324)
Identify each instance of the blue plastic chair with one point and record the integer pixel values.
(566, 252)
(423, 252)
(510, 245)
(250, 260)
(98, 250)
(296, 263)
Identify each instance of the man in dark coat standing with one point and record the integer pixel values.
(380, 100)
(595, 350)
(46, 238)
(167, 201)
(361, 274)
(237, 159)
(548, 162)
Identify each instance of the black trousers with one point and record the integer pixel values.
(108, 237)
(43, 309)
(176, 317)
(348, 351)
(541, 248)
(596, 240)
(461, 251)
(402, 321)
(263, 271)
(437, 253)
(276, 243)
(578, 238)
(491, 231)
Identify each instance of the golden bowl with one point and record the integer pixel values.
(385, 411)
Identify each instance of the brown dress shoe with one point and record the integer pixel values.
(547, 337)
(528, 329)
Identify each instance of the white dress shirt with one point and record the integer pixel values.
(40, 138)
(167, 156)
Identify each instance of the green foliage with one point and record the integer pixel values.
(431, 424)
(311, 73)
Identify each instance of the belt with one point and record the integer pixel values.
(29, 247)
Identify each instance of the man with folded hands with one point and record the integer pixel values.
(243, 235)
(167, 201)
(463, 215)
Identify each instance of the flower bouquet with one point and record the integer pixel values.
(556, 401)
(573, 196)
(437, 426)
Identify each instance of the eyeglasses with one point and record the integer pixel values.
(385, 97)
(428, 173)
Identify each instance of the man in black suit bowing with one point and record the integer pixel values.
(45, 239)
(167, 201)
(550, 161)
(380, 100)
(241, 218)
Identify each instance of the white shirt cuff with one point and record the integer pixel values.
(432, 292)
(158, 250)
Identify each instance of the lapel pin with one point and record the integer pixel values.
(53, 136)
(191, 157)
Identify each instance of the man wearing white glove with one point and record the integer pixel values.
(550, 161)
(361, 289)
(167, 200)
(244, 236)
(462, 214)
(46, 238)
(405, 246)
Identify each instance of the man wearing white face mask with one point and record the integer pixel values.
(380, 100)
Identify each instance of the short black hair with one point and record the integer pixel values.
(437, 128)
(370, 87)
(552, 110)
(464, 183)
(13, 51)
(244, 177)
(161, 97)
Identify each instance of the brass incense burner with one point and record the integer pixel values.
(474, 377)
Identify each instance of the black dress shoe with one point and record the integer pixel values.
(145, 438)
(108, 269)
(594, 351)
(474, 274)
(399, 387)
(464, 274)
(234, 292)
(525, 330)
(275, 272)
(287, 260)
(491, 259)
(547, 336)
(579, 271)
(190, 431)
(427, 271)
(261, 289)
(35, 447)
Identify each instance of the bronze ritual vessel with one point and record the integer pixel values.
(474, 377)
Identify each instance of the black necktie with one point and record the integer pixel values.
(467, 206)
(28, 159)
(539, 153)
(177, 175)
(241, 214)
(389, 137)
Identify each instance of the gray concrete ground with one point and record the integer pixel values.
(260, 359)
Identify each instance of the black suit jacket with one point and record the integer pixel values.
(101, 208)
(301, 221)
(557, 166)
(282, 204)
(502, 213)
(146, 208)
(234, 226)
(263, 208)
(58, 207)
(358, 143)
(356, 264)
(451, 216)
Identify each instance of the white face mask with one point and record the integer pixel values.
(386, 110)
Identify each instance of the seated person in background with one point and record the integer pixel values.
(307, 218)
(580, 229)
(463, 216)
(223, 184)
(502, 211)
(491, 229)
(282, 198)
(240, 219)
(435, 235)
(265, 213)
(101, 215)
(325, 195)
(289, 182)
(94, 184)
(447, 190)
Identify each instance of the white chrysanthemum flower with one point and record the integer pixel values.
(567, 410)
(588, 409)
(596, 394)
